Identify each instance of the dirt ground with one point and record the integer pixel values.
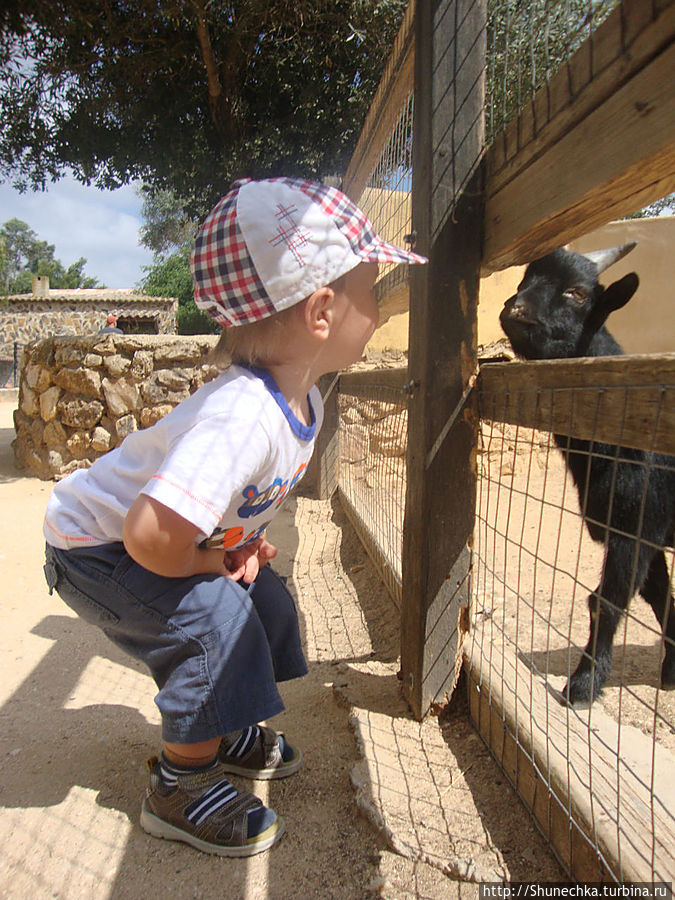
(384, 806)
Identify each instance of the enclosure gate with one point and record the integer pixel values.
(514, 150)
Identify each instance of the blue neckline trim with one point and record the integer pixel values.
(304, 432)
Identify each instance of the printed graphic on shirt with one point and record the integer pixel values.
(256, 502)
(232, 538)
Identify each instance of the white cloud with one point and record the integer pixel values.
(80, 221)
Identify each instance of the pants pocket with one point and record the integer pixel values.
(86, 607)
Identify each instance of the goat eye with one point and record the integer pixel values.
(576, 295)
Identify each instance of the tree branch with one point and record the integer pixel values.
(218, 113)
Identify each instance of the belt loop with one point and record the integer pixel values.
(50, 570)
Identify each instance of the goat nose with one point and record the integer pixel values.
(514, 306)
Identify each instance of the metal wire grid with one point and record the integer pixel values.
(534, 566)
(373, 439)
(528, 41)
(386, 199)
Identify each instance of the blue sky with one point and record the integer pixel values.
(80, 221)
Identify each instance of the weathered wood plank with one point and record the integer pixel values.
(608, 152)
(625, 400)
(644, 369)
(353, 381)
(628, 39)
(547, 751)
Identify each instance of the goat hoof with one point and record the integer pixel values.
(668, 674)
(580, 690)
(574, 697)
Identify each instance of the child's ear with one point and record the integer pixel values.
(319, 312)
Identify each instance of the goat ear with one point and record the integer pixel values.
(619, 293)
(612, 298)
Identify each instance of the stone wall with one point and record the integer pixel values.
(30, 319)
(79, 397)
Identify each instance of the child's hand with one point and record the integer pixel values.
(246, 562)
(266, 552)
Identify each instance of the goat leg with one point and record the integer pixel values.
(586, 682)
(624, 570)
(656, 591)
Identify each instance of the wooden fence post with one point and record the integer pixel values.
(448, 219)
(322, 474)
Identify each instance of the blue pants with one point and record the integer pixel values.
(215, 649)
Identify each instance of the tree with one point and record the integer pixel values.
(171, 277)
(186, 94)
(166, 224)
(24, 255)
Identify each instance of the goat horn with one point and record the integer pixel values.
(603, 259)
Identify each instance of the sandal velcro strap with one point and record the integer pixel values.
(221, 794)
(256, 752)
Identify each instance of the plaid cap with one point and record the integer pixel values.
(269, 244)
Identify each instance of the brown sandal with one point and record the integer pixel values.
(259, 752)
(204, 810)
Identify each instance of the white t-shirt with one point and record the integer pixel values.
(224, 459)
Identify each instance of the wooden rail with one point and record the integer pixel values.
(394, 378)
(626, 400)
(596, 143)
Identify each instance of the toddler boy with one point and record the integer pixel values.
(161, 542)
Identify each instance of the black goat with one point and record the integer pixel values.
(627, 496)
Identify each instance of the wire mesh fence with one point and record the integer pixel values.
(541, 59)
(372, 465)
(527, 44)
(522, 85)
(604, 768)
(379, 177)
(386, 199)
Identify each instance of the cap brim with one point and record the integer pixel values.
(383, 252)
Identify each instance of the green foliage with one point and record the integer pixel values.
(186, 96)
(191, 320)
(23, 255)
(528, 41)
(166, 224)
(171, 277)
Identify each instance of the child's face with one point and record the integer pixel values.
(356, 312)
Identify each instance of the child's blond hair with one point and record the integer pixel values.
(259, 343)
(262, 343)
